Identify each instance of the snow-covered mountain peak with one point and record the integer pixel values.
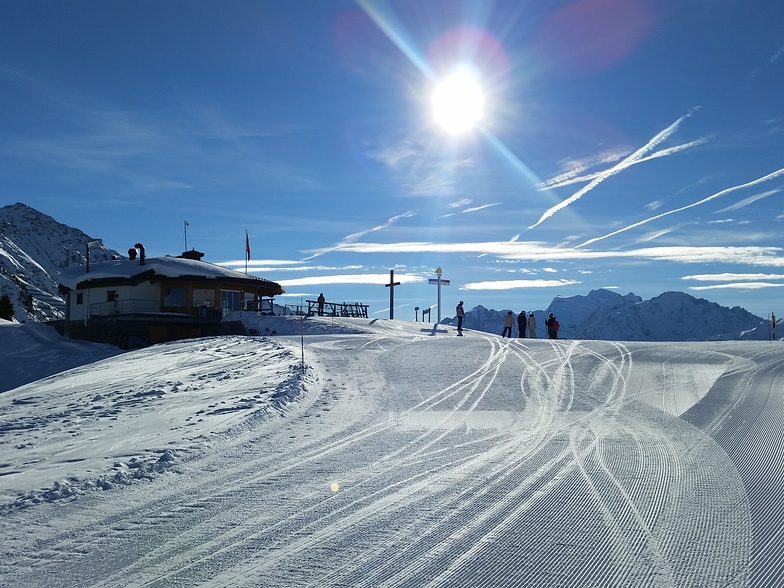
(34, 250)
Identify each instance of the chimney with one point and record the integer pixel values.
(192, 254)
(132, 254)
(140, 247)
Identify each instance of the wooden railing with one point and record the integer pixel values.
(353, 309)
(346, 309)
(102, 309)
(131, 307)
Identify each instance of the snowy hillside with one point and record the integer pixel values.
(34, 249)
(605, 315)
(356, 452)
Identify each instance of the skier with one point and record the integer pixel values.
(508, 322)
(321, 301)
(521, 325)
(460, 314)
(532, 325)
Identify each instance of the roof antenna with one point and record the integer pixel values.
(87, 248)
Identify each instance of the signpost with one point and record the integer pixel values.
(391, 286)
(439, 282)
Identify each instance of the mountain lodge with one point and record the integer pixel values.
(133, 301)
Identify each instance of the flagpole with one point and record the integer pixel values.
(247, 250)
(185, 230)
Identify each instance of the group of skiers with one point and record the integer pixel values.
(523, 323)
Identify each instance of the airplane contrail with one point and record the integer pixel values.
(560, 183)
(629, 161)
(770, 176)
(354, 236)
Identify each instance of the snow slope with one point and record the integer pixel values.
(396, 454)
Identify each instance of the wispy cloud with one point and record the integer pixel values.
(396, 156)
(259, 267)
(259, 264)
(776, 56)
(599, 174)
(471, 209)
(738, 286)
(750, 200)
(420, 168)
(378, 279)
(724, 192)
(728, 277)
(653, 235)
(539, 251)
(476, 208)
(517, 284)
(138, 152)
(354, 236)
(634, 158)
(140, 155)
(574, 168)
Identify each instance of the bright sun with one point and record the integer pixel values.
(458, 102)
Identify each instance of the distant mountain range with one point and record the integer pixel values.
(606, 315)
(35, 249)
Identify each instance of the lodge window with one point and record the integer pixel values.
(174, 297)
(203, 297)
(80, 298)
(111, 295)
(230, 300)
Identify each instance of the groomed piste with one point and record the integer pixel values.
(373, 453)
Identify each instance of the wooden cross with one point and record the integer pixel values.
(391, 286)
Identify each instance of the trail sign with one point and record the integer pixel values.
(440, 282)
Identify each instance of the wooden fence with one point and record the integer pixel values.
(346, 309)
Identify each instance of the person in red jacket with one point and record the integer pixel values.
(552, 326)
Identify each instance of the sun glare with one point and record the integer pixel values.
(458, 102)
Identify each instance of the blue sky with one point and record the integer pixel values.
(636, 145)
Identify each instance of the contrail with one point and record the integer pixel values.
(631, 160)
(770, 176)
(354, 236)
(565, 181)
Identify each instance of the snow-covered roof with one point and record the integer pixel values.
(161, 267)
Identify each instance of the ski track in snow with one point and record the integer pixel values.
(475, 462)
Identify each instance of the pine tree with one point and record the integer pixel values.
(6, 308)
